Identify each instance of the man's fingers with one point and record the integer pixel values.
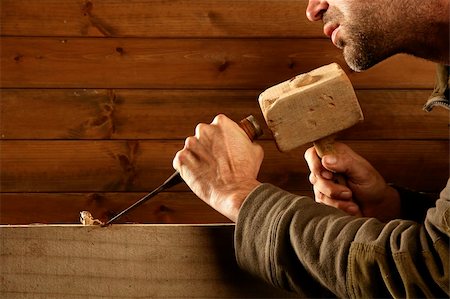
(312, 178)
(330, 189)
(196, 148)
(347, 206)
(203, 130)
(313, 160)
(315, 164)
(192, 152)
(346, 161)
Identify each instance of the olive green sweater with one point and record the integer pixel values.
(297, 244)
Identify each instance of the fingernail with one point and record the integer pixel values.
(346, 195)
(330, 159)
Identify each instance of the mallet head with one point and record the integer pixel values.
(310, 107)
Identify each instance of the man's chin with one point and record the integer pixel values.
(356, 67)
(356, 61)
(361, 58)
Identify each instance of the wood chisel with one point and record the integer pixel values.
(250, 126)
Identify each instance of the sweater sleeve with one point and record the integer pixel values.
(295, 243)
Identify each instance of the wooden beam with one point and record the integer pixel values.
(140, 166)
(45, 208)
(173, 114)
(157, 18)
(229, 63)
(124, 261)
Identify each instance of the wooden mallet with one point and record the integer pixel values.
(311, 107)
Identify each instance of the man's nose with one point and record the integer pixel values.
(315, 9)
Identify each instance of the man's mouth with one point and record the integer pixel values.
(332, 30)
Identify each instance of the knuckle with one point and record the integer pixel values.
(308, 154)
(220, 118)
(203, 131)
(199, 127)
(319, 195)
(176, 162)
(190, 142)
(182, 156)
(312, 178)
(312, 160)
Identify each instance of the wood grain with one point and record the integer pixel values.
(173, 114)
(187, 63)
(157, 18)
(109, 166)
(124, 261)
(96, 97)
(58, 208)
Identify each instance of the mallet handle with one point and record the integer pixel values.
(325, 146)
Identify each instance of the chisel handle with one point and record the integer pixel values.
(251, 127)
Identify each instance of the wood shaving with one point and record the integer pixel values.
(86, 218)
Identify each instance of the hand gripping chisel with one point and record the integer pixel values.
(250, 127)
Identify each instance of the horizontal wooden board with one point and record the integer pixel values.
(157, 18)
(187, 63)
(58, 208)
(96, 166)
(125, 261)
(173, 114)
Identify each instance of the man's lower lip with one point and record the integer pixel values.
(334, 36)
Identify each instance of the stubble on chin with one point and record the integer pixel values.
(361, 39)
(349, 40)
(356, 52)
(364, 48)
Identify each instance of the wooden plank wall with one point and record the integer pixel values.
(127, 262)
(97, 97)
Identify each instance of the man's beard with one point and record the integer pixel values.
(362, 40)
(364, 49)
